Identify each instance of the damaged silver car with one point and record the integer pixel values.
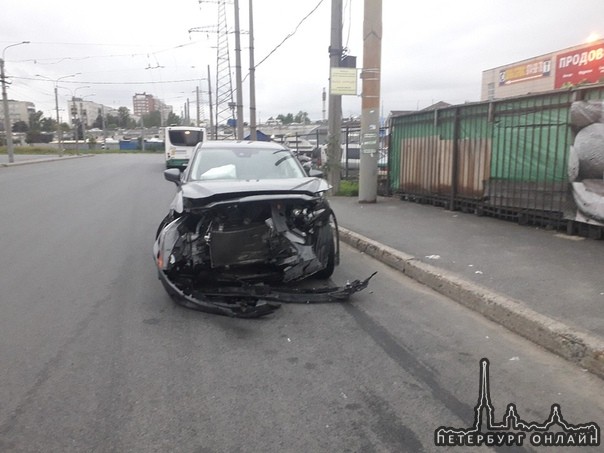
(246, 222)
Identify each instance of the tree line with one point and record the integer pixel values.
(301, 118)
(41, 129)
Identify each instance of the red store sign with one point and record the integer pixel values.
(584, 65)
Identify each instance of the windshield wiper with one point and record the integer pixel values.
(284, 158)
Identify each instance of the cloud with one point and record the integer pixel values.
(431, 50)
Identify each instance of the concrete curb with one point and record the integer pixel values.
(579, 347)
(37, 161)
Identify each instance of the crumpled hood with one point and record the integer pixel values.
(225, 189)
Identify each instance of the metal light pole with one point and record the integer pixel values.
(103, 126)
(253, 132)
(74, 111)
(199, 92)
(8, 127)
(197, 105)
(143, 133)
(84, 116)
(210, 99)
(59, 131)
(239, 133)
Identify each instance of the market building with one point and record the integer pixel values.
(561, 69)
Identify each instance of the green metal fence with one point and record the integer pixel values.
(508, 157)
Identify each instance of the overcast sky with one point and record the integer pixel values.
(432, 50)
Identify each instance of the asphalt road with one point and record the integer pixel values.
(96, 357)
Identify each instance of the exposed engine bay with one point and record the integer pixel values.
(235, 257)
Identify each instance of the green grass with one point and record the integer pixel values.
(34, 150)
(348, 188)
(41, 150)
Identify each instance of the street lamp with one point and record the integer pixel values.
(76, 120)
(74, 112)
(84, 115)
(59, 131)
(8, 127)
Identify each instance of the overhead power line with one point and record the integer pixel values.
(291, 34)
(80, 82)
(56, 60)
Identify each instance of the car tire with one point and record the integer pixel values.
(326, 251)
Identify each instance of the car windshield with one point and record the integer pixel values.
(244, 163)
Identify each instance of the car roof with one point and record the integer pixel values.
(234, 144)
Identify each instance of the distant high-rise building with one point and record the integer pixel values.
(143, 103)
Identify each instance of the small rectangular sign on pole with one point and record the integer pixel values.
(343, 81)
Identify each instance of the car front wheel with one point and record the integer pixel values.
(326, 251)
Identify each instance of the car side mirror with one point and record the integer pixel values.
(173, 175)
(314, 173)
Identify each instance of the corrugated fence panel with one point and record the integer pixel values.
(432, 144)
(473, 167)
(414, 153)
(508, 158)
(419, 165)
(474, 144)
(444, 121)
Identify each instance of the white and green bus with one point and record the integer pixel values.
(180, 142)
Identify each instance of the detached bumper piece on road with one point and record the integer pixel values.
(256, 300)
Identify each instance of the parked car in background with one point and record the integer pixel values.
(350, 161)
(351, 157)
(299, 145)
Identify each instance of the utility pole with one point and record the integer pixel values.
(211, 111)
(74, 113)
(224, 85)
(8, 126)
(59, 131)
(197, 94)
(142, 133)
(83, 122)
(103, 126)
(370, 101)
(239, 134)
(253, 133)
(76, 116)
(334, 151)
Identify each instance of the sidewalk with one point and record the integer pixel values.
(25, 159)
(544, 285)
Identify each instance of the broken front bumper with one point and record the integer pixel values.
(256, 300)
